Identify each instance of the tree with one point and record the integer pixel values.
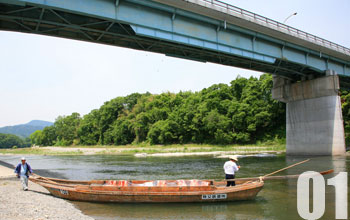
(345, 100)
(67, 129)
(120, 133)
(163, 132)
(11, 140)
(37, 137)
(89, 130)
(217, 126)
(242, 112)
(49, 136)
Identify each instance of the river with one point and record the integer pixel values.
(277, 200)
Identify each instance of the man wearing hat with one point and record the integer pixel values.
(230, 168)
(22, 170)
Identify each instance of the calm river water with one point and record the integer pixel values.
(277, 200)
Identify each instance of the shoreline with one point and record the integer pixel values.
(217, 154)
(141, 151)
(36, 203)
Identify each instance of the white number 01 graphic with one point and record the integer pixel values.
(340, 182)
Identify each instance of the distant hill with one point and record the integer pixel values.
(24, 130)
(39, 123)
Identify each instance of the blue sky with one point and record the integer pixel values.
(44, 77)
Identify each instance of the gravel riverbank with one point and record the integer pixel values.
(34, 204)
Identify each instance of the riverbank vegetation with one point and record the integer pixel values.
(240, 113)
(345, 100)
(169, 150)
(13, 141)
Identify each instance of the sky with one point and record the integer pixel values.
(42, 77)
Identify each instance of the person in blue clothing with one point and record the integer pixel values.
(22, 170)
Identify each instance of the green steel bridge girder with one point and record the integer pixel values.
(151, 26)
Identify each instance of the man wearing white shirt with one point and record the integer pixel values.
(231, 168)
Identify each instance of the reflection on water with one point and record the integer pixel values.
(277, 200)
(234, 210)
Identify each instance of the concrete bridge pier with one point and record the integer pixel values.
(314, 115)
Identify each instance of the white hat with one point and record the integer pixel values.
(233, 157)
(23, 158)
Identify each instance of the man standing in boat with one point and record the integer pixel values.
(231, 168)
(22, 170)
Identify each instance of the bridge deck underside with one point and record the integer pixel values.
(43, 20)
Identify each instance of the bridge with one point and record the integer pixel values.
(308, 70)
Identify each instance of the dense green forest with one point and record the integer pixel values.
(11, 140)
(242, 112)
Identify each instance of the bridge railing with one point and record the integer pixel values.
(250, 16)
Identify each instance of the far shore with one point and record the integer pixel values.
(143, 151)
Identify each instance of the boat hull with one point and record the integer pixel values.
(247, 194)
(112, 194)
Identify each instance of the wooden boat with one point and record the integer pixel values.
(158, 191)
(142, 191)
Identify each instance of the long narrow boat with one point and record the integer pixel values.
(142, 191)
(158, 191)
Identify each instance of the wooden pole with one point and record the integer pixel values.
(293, 165)
(277, 171)
(276, 177)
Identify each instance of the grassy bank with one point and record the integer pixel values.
(148, 149)
(38, 151)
